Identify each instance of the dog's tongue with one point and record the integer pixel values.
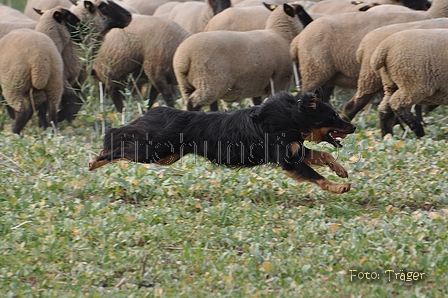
(338, 135)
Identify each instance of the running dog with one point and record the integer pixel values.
(272, 133)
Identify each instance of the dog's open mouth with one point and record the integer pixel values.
(332, 138)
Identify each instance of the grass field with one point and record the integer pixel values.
(197, 230)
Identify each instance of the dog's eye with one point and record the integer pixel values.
(335, 116)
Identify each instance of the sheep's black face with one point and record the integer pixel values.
(415, 4)
(115, 15)
(72, 24)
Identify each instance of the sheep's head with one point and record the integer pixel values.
(102, 15)
(60, 15)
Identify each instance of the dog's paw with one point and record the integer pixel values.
(339, 188)
(339, 170)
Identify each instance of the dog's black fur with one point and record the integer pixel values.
(271, 133)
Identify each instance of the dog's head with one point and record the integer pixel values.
(321, 122)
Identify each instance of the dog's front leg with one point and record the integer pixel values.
(301, 171)
(321, 158)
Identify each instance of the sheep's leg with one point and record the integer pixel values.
(22, 117)
(257, 100)
(42, 115)
(387, 118)
(163, 88)
(405, 115)
(153, 93)
(356, 104)
(11, 112)
(214, 106)
(328, 91)
(117, 98)
(69, 106)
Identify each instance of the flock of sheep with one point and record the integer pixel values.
(223, 49)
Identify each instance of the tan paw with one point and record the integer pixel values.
(339, 188)
(339, 170)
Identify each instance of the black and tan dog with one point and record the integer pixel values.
(271, 133)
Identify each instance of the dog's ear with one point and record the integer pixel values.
(309, 100)
(319, 92)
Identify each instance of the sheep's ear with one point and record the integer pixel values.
(271, 7)
(58, 16)
(89, 6)
(39, 11)
(289, 10)
(74, 2)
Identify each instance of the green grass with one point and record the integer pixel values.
(197, 230)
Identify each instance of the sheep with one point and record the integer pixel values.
(369, 81)
(8, 14)
(49, 4)
(31, 67)
(234, 65)
(146, 48)
(164, 10)
(194, 15)
(97, 17)
(146, 7)
(43, 5)
(413, 68)
(7, 26)
(244, 18)
(343, 6)
(325, 50)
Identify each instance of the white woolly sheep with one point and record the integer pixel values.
(194, 15)
(326, 49)
(369, 81)
(13, 15)
(31, 67)
(7, 26)
(244, 18)
(49, 4)
(145, 49)
(146, 7)
(233, 65)
(164, 10)
(343, 6)
(97, 18)
(44, 5)
(413, 67)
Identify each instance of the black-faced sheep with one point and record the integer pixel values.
(194, 15)
(49, 4)
(235, 65)
(31, 67)
(343, 6)
(97, 18)
(145, 49)
(369, 82)
(326, 49)
(413, 67)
